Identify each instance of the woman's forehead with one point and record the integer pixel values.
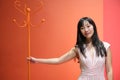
(86, 23)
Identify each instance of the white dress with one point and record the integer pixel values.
(92, 68)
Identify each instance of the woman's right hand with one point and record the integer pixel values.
(32, 59)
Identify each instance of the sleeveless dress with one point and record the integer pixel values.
(92, 68)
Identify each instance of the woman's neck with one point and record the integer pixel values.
(89, 43)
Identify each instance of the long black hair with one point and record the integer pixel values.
(81, 40)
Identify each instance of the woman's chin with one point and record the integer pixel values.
(88, 37)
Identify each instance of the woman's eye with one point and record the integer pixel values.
(88, 26)
(82, 28)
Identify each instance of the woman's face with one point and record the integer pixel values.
(87, 30)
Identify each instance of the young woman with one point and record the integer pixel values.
(92, 53)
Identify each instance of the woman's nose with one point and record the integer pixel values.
(86, 29)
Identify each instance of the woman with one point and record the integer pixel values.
(92, 53)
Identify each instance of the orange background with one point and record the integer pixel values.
(111, 18)
(54, 37)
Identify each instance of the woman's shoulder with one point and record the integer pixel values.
(75, 48)
(106, 44)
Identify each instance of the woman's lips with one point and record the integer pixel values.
(87, 33)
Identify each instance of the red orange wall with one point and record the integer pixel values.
(52, 38)
(111, 31)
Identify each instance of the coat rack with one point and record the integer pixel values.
(26, 11)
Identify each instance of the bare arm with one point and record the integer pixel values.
(66, 57)
(109, 65)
